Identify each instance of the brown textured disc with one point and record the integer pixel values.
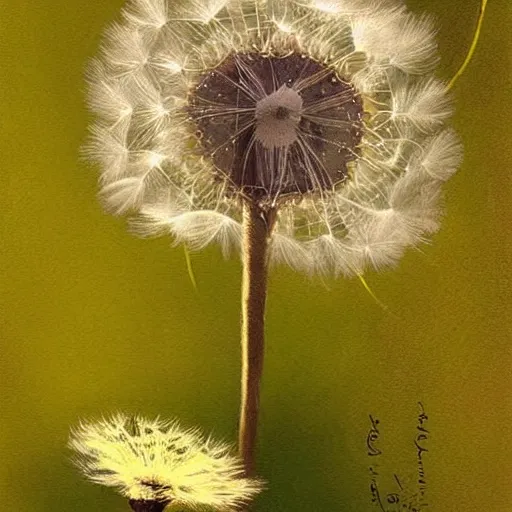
(277, 126)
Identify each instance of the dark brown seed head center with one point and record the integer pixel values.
(277, 126)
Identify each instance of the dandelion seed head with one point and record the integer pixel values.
(155, 462)
(325, 111)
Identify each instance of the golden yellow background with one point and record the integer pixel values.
(94, 320)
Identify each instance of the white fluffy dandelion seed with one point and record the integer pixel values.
(323, 114)
(154, 463)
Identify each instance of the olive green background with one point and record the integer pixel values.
(94, 320)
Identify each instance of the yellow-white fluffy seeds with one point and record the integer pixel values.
(158, 461)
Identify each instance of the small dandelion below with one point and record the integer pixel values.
(154, 463)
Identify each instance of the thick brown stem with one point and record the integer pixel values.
(257, 226)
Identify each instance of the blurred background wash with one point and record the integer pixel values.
(94, 320)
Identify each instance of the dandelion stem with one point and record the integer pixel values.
(472, 47)
(257, 225)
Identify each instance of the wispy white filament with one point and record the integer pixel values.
(152, 166)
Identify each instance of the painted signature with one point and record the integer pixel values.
(398, 497)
